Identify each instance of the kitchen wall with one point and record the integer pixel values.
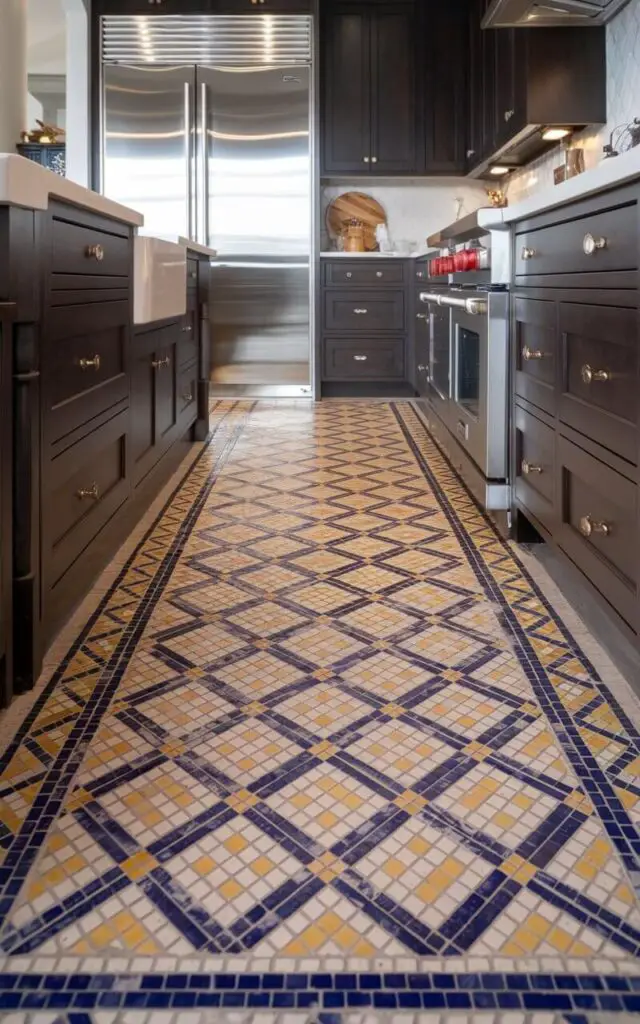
(416, 207)
(623, 104)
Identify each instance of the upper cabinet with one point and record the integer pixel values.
(393, 87)
(523, 80)
(369, 109)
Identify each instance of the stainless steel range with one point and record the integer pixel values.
(464, 378)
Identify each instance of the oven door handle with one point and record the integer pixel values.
(472, 306)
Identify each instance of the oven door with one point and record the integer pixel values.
(436, 319)
(468, 406)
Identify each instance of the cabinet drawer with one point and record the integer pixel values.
(83, 487)
(599, 526)
(599, 392)
(602, 241)
(374, 272)
(188, 343)
(363, 311)
(535, 338)
(535, 466)
(85, 365)
(349, 359)
(88, 252)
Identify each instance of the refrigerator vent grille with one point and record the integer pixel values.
(218, 40)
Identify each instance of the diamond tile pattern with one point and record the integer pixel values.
(324, 736)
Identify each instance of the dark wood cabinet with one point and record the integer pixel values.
(6, 489)
(154, 395)
(576, 381)
(370, 96)
(521, 81)
(444, 98)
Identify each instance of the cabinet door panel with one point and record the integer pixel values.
(394, 128)
(446, 115)
(536, 356)
(346, 110)
(166, 395)
(142, 414)
(599, 526)
(599, 392)
(535, 466)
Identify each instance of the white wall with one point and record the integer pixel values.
(623, 104)
(415, 208)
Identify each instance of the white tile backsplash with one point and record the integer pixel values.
(623, 104)
(415, 208)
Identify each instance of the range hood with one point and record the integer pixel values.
(550, 13)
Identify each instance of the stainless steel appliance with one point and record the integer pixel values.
(207, 131)
(464, 378)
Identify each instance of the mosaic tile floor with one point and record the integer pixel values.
(323, 742)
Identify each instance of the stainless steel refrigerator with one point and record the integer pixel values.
(207, 131)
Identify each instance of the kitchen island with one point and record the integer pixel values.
(101, 415)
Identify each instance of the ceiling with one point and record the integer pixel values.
(46, 50)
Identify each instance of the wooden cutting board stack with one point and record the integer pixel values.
(355, 206)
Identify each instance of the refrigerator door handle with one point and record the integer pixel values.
(204, 165)
(188, 156)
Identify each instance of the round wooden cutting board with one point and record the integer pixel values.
(358, 206)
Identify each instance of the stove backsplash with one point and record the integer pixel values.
(623, 104)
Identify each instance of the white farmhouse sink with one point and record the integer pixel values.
(159, 279)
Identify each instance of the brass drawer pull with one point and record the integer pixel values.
(186, 330)
(527, 254)
(360, 359)
(588, 374)
(348, 274)
(360, 311)
(532, 353)
(422, 316)
(379, 273)
(88, 492)
(94, 252)
(590, 244)
(529, 467)
(90, 364)
(508, 114)
(187, 396)
(589, 526)
(159, 364)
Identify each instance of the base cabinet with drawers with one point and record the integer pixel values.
(95, 412)
(576, 390)
(365, 325)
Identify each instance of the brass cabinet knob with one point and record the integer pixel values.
(529, 467)
(348, 274)
(508, 114)
(88, 492)
(90, 364)
(365, 159)
(360, 359)
(527, 253)
(588, 374)
(589, 526)
(374, 159)
(160, 364)
(591, 244)
(531, 353)
(94, 252)
(379, 273)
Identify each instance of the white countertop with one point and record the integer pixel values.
(25, 183)
(614, 171)
(191, 246)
